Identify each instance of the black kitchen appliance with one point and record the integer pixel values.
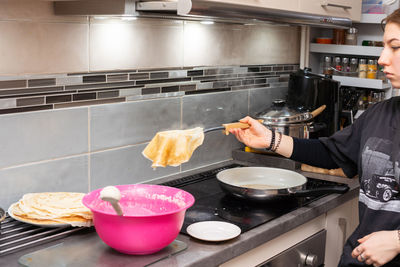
(214, 204)
(308, 91)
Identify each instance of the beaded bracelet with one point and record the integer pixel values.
(398, 234)
(272, 143)
(278, 143)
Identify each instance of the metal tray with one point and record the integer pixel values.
(92, 251)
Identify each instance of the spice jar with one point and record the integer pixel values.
(362, 68)
(371, 69)
(351, 36)
(354, 67)
(327, 66)
(338, 66)
(367, 43)
(339, 36)
(346, 66)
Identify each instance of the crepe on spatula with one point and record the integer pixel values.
(173, 147)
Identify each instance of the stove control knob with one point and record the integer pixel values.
(311, 260)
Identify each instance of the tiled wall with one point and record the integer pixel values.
(79, 147)
(35, 41)
(81, 97)
(69, 90)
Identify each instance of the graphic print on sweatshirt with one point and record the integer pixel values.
(379, 180)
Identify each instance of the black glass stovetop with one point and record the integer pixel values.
(213, 204)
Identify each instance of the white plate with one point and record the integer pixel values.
(213, 230)
(52, 225)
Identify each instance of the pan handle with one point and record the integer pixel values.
(341, 189)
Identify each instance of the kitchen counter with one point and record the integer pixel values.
(200, 253)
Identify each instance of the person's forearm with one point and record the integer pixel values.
(286, 146)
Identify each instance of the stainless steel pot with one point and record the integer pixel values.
(290, 122)
(299, 130)
(262, 183)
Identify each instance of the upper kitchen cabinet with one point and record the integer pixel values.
(338, 8)
(290, 5)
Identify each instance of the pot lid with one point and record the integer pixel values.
(280, 113)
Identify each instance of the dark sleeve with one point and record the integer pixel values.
(312, 152)
(344, 145)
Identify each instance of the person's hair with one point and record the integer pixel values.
(392, 18)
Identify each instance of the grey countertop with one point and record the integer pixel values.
(200, 253)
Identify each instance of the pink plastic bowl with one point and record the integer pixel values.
(153, 217)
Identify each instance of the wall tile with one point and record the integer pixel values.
(36, 136)
(144, 43)
(132, 123)
(261, 99)
(124, 166)
(224, 44)
(25, 109)
(90, 102)
(130, 91)
(8, 103)
(42, 47)
(68, 80)
(13, 84)
(33, 90)
(210, 110)
(64, 175)
(34, 10)
(41, 82)
(117, 77)
(29, 101)
(108, 94)
(216, 147)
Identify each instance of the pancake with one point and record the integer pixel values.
(52, 208)
(173, 147)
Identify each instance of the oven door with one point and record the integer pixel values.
(309, 252)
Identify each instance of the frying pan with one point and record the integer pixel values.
(263, 183)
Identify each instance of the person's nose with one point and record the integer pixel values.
(384, 59)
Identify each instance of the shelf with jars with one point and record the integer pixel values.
(362, 82)
(355, 50)
(355, 72)
(351, 57)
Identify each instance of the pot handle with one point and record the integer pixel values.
(340, 189)
(318, 111)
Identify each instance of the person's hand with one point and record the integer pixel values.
(256, 136)
(377, 248)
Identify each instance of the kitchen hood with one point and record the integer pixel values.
(233, 11)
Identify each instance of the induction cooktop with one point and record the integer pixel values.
(213, 204)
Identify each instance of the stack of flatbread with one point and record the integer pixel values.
(173, 147)
(52, 208)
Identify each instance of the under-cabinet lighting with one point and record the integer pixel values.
(207, 22)
(129, 18)
(100, 18)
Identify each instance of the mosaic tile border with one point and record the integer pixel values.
(25, 94)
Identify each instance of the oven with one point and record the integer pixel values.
(309, 252)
